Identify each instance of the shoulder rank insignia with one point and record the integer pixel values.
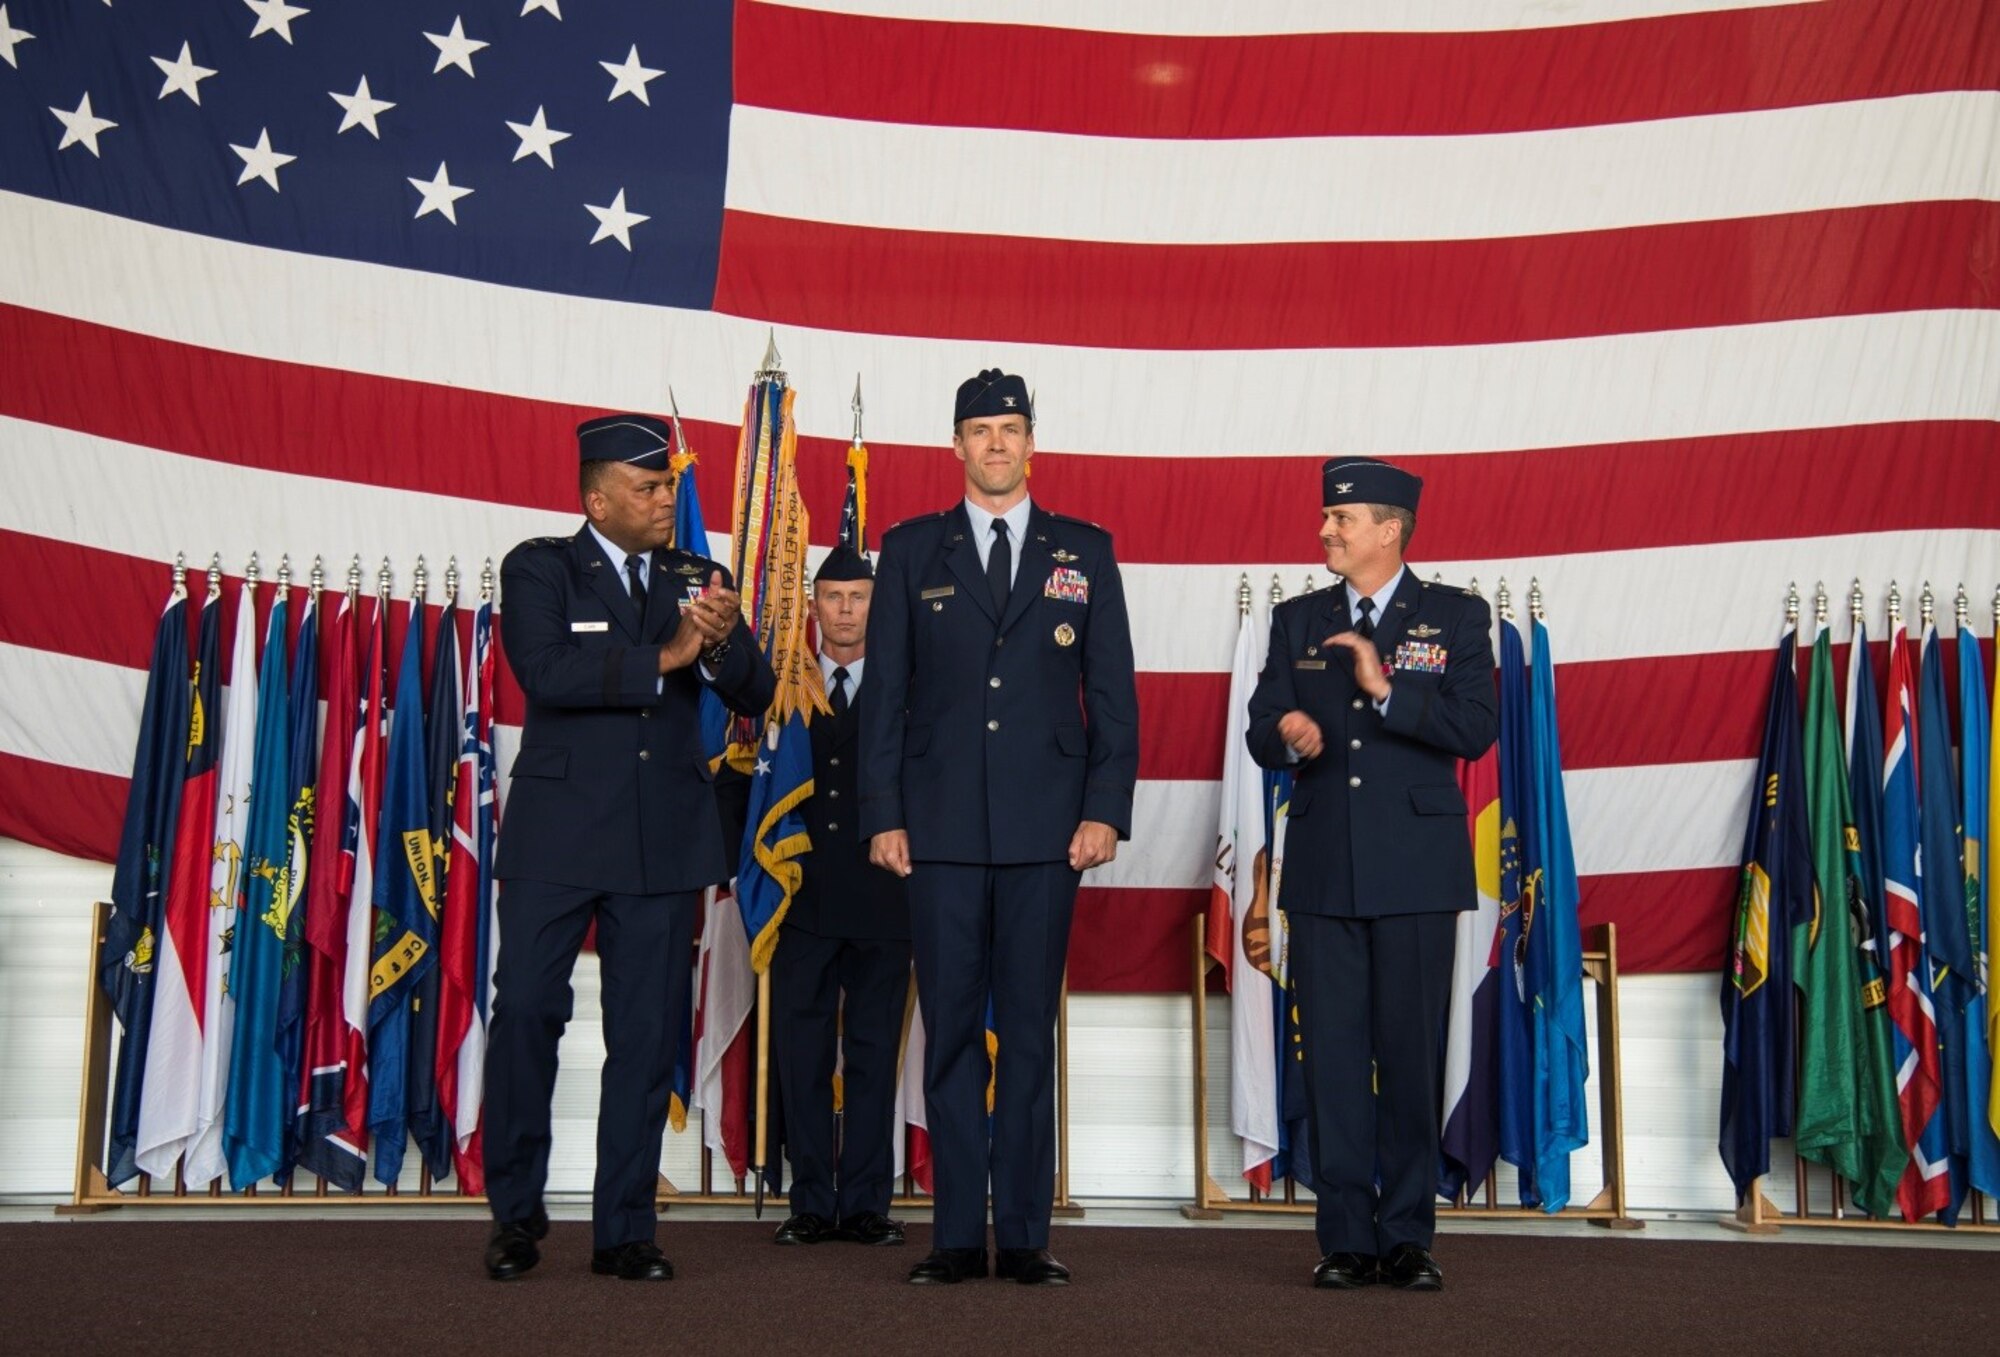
(1422, 631)
(1065, 557)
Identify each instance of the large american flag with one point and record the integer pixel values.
(1671, 302)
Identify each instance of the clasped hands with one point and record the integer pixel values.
(1299, 731)
(705, 622)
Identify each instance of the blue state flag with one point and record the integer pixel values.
(775, 836)
(254, 1116)
(1954, 972)
(444, 723)
(405, 898)
(139, 882)
(1555, 949)
(299, 826)
(1774, 897)
(1864, 794)
(1515, 1039)
(1974, 770)
(691, 535)
(1294, 1157)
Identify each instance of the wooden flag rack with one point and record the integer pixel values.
(93, 1193)
(1608, 1208)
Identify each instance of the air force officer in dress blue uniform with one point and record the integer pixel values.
(999, 747)
(841, 974)
(611, 817)
(1371, 690)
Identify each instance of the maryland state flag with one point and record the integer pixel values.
(139, 882)
(1775, 897)
(768, 546)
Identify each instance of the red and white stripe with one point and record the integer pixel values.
(1672, 302)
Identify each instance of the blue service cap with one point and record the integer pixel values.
(991, 393)
(844, 563)
(636, 440)
(1363, 480)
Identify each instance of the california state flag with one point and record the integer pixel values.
(1243, 919)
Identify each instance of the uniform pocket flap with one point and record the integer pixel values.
(1071, 741)
(916, 740)
(1437, 800)
(541, 761)
(1301, 802)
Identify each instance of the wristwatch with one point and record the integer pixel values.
(716, 654)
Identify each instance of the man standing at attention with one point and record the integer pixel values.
(841, 974)
(999, 747)
(1371, 690)
(611, 818)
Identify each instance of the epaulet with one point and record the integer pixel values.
(1441, 587)
(921, 518)
(1079, 523)
(1301, 598)
(689, 564)
(551, 542)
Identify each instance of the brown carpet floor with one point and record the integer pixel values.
(355, 1287)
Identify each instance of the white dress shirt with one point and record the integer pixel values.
(1017, 530)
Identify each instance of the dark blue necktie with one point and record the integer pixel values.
(1000, 566)
(637, 583)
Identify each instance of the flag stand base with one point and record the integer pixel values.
(1756, 1214)
(1608, 1208)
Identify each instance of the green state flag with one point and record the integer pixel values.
(1847, 1112)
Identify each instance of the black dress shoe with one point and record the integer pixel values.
(1030, 1267)
(510, 1249)
(1345, 1271)
(804, 1228)
(871, 1227)
(1410, 1267)
(639, 1261)
(946, 1266)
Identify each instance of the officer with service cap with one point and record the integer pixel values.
(612, 819)
(999, 747)
(1371, 691)
(841, 974)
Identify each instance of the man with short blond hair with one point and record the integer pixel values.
(1000, 745)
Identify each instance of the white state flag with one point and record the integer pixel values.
(726, 989)
(1242, 871)
(187, 1060)
(911, 1119)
